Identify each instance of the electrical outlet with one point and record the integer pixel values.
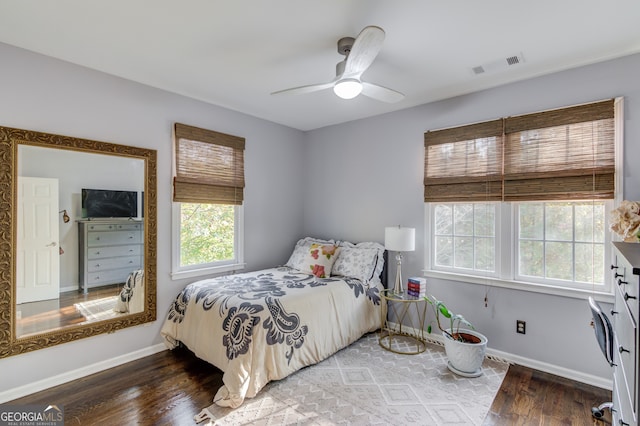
(521, 327)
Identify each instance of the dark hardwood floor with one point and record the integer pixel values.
(532, 397)
(170, 387)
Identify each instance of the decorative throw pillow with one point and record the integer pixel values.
(363, 261)
(320, 259)
(298, 258)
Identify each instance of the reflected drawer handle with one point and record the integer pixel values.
(627, 297)
(620, 282)
(622, 423)
(97, 265)
(96, 278)
(614, 312)
(616, 275)
(97, 252)
(621, 350)
(613, 267)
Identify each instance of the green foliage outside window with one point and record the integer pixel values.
(206, 233)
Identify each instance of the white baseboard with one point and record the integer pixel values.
(578, 376)
(28, 389)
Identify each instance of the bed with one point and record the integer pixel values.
(265, 325)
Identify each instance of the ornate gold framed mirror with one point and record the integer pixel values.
(78, 237)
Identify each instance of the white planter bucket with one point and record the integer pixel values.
(465, 359)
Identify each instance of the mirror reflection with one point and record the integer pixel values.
(79, 238)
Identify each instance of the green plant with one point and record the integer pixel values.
(455, 320)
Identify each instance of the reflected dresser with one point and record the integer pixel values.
(109, 251)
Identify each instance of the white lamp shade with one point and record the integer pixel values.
(397, 238)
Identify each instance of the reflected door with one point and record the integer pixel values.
(37, 254)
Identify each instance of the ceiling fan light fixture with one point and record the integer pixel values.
(347, 88)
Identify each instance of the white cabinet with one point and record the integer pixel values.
(109, 251)
(626, 274)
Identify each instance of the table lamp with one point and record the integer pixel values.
(399, 239)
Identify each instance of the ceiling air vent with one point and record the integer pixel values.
(498, 65)
(513, 60)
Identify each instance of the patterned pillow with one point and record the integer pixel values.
(298, 258)
(363, 261)
(320, 259)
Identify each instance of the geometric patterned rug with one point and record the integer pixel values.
(364, 384)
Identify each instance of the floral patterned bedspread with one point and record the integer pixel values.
(264, 325)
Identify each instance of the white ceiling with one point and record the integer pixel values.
(234, 53)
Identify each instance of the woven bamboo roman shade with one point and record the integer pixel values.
(563, 154)
(464, 163)
(209, 166)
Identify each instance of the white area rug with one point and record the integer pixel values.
(98, 309)
(367, 385)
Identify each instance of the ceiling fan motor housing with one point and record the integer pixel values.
(345, 44)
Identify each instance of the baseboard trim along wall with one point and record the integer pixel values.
(578, 376)
(19, 392)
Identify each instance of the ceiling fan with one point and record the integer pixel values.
(359, 55)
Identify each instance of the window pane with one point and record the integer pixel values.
(531, 219)
(584, 223)
(485, 254)
(463, 252)
(559, 221)
(589, 263)
(444, 221)
(531, 261)
(206, 233)
(444, 251)
(463, 219)
(485, 220)
(599, 222)
(559, 260)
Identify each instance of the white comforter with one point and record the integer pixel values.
(263, 326)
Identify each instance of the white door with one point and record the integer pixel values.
(38, 252)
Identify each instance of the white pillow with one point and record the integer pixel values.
(363, 261)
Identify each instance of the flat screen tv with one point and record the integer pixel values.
(108, 203)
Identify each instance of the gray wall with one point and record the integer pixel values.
(347, 181)
(43, 94)
(372, 177)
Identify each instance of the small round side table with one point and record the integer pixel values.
(402, 326)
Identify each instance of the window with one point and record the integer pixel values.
(208, 192)
(524, 199)
(561, 241)
(465, 236)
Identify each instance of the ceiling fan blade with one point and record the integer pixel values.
(381, 93)
(364, 51)
(304, 89)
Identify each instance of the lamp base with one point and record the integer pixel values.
(397, 288)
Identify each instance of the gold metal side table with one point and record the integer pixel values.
(402, 329)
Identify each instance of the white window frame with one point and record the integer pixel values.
(505, 274)
(464, 271)
(212, 268)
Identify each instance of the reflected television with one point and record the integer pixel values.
(105, 203)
